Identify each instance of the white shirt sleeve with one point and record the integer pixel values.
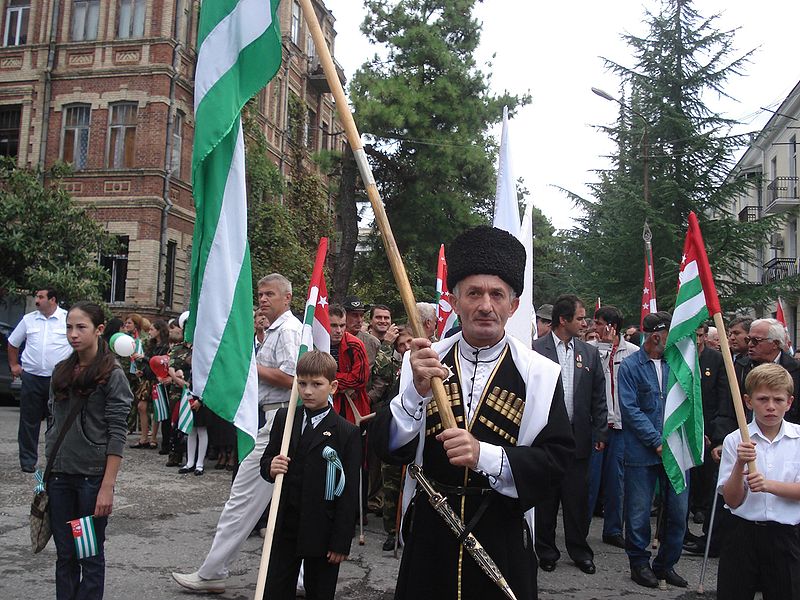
(493, 463)
(19, 334)
(408, 415)
(728, 460)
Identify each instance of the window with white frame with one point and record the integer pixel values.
(75, 141)
(311, 51)
(17, 13)
(122, 135)
(85, 16)
(177, 144)
(295, 30)
(116, 265)
(131, 19)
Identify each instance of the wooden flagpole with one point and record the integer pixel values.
(392, 252)
(266, 549)
(736, 394)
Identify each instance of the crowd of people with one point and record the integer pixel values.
(570, 422)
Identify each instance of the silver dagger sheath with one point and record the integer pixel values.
(472, 545)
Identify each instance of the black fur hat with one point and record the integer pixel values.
(486, 251)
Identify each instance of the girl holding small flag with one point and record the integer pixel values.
(157, 345)
(83, 469)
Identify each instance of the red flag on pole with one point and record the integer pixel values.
(649, 287)
(779, 316)
(446, 319)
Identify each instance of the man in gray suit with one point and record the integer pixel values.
(584, 396)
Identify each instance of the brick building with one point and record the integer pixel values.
(106, 85)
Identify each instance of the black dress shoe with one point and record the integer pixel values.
(644, 576)
(388, 545)
(185, 470)
(547, 565)
(587, 566)
(614, 540)
(695, 548)
(672, 578)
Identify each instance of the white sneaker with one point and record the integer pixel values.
(192, 581)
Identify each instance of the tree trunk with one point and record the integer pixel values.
(347, 224)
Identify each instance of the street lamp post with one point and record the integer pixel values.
(645, 140)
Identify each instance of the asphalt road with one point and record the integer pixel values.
(165, 522)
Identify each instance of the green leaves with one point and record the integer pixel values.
(47, 239)
(426, 112)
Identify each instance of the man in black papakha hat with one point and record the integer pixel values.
(512, 442)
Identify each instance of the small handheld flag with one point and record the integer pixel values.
(84, 536)
(185, 415)
(160, 403)
(649, 287)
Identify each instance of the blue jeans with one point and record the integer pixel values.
(640, 485)
(72, 497)
(613, 475)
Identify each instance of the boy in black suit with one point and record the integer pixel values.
(319, 501)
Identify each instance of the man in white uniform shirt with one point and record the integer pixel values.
(276, 360)
(44, 333)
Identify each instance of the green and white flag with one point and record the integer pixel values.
(683, 412)
(84, 536)
(160, 403)
(185, 415)
(239, 51)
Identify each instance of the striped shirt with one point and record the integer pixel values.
(566, 358)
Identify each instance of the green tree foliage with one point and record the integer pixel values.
(46, 238)
(284, 220)
(549, 279)
(681, 63)
(426, 109)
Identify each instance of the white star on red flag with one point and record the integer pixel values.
(323, 301)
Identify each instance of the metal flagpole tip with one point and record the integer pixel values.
(647, 235)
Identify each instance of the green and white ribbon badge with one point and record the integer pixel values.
(334, 464)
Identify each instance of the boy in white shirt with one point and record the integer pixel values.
(762, 552)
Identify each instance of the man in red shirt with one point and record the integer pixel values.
(353, 367)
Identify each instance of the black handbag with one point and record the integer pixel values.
(40, 515)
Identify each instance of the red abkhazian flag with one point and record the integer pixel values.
(316, 322)
(649, 287)
(446, 319)
(779, 316)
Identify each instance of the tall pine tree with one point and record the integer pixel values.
(680, 64)
(426, 109)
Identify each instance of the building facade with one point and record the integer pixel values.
(770, 163)
(107, 86)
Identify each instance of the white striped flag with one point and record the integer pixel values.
(316, 322)
(239, 51)
(446, 319)
(683, 411)
(84, 536)
(185, 415)
(160, 403)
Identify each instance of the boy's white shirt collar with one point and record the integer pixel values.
(787, 429)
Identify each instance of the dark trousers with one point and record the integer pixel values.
(72, 497)
(760, 557)
(32, 410)
(319, 576)
(572, 495)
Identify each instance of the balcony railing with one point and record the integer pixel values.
(779, 268)
(782, 195)
(748, 214)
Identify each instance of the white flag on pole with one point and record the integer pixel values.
(506, 217)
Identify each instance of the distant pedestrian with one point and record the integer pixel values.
(84, 468)
(44, 333)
